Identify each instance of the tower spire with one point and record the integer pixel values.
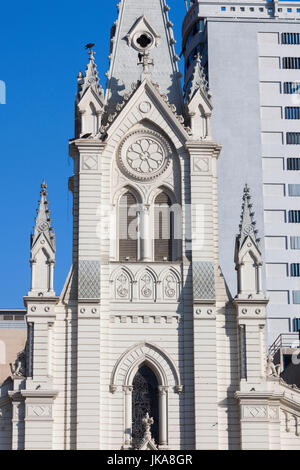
(43, 221)
(143, 27)
(42, 250)
(248, 224)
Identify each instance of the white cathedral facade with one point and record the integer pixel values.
(144, 348)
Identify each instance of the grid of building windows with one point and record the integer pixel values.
(296, 297)
(290, 38)
(291, 62)
(296, 325)
(290, 88)
(293, 138)
(295, 270)
(292, 112)
(295, 243)
(294, 190)
(294, 217)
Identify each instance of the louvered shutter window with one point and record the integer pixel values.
(128, 228)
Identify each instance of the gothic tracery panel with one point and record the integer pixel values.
(171, 287)
(147, 287)
(123, 286)
(144, 400)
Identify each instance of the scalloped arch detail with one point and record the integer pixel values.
(162, 365)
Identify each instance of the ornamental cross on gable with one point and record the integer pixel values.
(146, 62)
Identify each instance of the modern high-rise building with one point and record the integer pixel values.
(251, 55)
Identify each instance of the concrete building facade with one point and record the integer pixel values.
(251, 55)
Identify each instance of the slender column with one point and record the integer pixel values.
(259, 278)
(208, 126)
(163, 427)
(51, 276)
(29, 371)
(146, 235)
(33, 263)
(50, 340)
(241, 277)
(128, 416)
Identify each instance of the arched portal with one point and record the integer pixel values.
(144, 400)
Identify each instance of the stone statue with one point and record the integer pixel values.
(18, 367)
(272, 370)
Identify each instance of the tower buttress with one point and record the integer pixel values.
(251, 302)
(248, 257)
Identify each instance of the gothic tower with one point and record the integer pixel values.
(144, 349)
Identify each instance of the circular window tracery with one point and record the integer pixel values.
(144, 155)
(143, 41)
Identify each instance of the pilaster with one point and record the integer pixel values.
(38, 419)
(203, 158)
(87, 259)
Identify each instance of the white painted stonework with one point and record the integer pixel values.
(215, 387)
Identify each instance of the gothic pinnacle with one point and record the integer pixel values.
(198, 81)
(90, 79)
(248, 224)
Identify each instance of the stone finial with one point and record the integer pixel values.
(146, 62)
(198, 81)
(90, 79)
(248, 224)
(43, 220)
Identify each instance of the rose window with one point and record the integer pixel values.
(144, 155)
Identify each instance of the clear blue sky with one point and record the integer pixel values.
(42, 51)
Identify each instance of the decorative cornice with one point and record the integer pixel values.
(39, 393)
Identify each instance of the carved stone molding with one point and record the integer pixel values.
(255, 412)
(39, 411)
(144, 155)
(90, 162)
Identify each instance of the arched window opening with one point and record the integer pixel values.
(144, 400)
(129, 228)
(164, 228)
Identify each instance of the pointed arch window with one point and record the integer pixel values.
(163, 228)
(144, 400)
(128, 228)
